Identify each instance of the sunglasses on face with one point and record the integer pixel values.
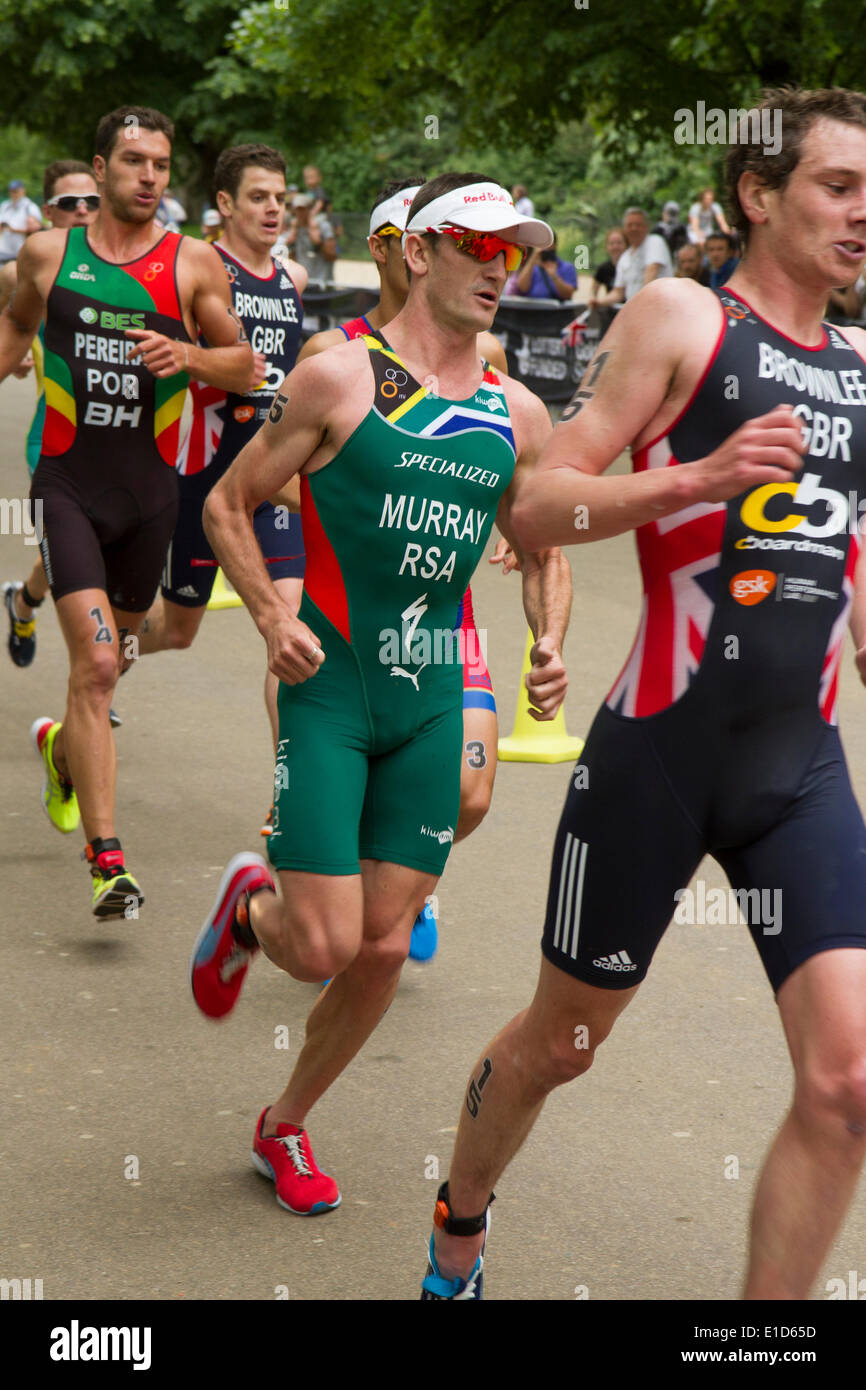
(483, 246)
(68, 202)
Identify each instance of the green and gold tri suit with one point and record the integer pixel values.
(368, 764)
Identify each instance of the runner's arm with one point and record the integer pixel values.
(622, 392)
(265, 466)
(492, 351)
(857, 617)
(22, 314)
(320, 342)
(228, 360)
(546, 573)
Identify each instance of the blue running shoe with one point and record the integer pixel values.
(435, 1285)
(425, 935)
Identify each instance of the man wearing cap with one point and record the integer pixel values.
(311, 241)
(211, 225)
(675, 232)
(480, 725)
(400, 485)
(19, 219)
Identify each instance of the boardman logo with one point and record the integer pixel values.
(76, 1343)
(82, 273)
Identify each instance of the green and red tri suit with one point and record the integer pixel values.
(105, 478)
(368, 764)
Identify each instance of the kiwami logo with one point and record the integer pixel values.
(75, 1343)
(492, 402)
(443, 836)
(619, 960)
(82, 273)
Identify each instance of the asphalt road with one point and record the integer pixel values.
(128, 1118)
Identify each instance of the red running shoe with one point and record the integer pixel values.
(287, 1159)
(219, 962)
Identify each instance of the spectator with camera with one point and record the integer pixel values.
(544, 275)
(605, 274)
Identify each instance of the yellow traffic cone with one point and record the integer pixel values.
(222, 596)
(534, 742)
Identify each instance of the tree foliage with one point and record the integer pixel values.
(555, 91)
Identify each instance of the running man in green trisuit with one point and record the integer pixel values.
(480, 723)
(407, 452)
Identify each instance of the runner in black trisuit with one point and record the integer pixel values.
(747, 420)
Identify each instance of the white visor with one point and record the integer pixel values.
(393, 211)
(482, 207)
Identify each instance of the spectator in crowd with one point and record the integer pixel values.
(313, 185)
(706, 216)
(690, 265)
(645, 258)
(211, 224)
(311, 241)
(604, 274)
(171, 214)
(544, 275)
(522, 203)
(719, 251)
(675, 232)
(19, 219)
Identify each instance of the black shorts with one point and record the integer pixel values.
(190, 566)
(104, 527)
(635, 828)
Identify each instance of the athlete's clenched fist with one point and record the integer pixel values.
(294, 652)
(762, 450)
(161, 355)
(546, 682)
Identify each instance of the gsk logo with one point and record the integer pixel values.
(242, 413)
(752, 586)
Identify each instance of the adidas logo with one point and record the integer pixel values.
(285, 282)
(188, 592)
(619, 960)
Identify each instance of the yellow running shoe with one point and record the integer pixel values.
(58, 796)
(115, 892)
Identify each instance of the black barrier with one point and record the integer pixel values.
(530, 330)
(329, 307)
